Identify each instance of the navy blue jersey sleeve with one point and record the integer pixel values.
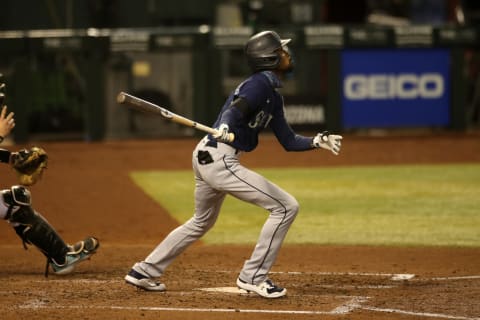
(286, 136)
(231, 116)
(253, 92)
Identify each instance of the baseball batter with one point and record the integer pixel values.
(253, 106)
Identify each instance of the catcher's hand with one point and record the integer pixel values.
(29, 164)
(7, 122)
(2, 90)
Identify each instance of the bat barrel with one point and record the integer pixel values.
(145, 106)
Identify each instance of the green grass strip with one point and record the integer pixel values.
(435, 205)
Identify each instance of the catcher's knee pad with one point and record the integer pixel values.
(12, 199)
(4, 207)
(31, 226)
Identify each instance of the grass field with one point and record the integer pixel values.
(433, 205)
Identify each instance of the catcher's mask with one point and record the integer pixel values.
(262, 50)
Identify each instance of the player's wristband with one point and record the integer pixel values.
(324, 136)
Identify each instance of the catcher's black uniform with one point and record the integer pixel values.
(32, 227)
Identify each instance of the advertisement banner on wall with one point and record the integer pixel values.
(395, 88)
(305, 113)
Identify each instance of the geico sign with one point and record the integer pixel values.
(388, 86)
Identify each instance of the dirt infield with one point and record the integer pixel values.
(87, 191)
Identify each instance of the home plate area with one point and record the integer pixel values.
(309, 293)
(316, 298)
(333, 293)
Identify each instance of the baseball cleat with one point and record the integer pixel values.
(143, 282)
(266, 289)
(67, 267)
(78, 252)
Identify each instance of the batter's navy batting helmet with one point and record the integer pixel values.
(261, 50)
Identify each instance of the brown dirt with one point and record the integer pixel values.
(87, 191)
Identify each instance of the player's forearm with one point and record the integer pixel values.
(289, 140)
(297, 143)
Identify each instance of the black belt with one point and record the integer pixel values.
(211, 143)
(214, 144)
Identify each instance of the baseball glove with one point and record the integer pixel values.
(29, 164)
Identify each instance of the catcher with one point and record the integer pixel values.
(16, 206)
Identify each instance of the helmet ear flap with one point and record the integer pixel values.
(272, 61)
(262, 52)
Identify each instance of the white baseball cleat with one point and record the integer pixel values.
(266, 289)
(143, 282)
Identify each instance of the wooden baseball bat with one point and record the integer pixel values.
(145, 106)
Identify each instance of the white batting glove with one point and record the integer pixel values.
(222, 134)
(328, 141)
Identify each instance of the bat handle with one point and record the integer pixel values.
(231, 135)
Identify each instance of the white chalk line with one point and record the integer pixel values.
(452, 278)
(419, 314)
(345, 308)
(351, 287)
(81, 281)
(196, 310)
(392, 276)
(349, 306)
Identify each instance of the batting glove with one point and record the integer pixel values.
(328, 141)
(222, 134)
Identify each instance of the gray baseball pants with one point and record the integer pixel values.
(213, 181)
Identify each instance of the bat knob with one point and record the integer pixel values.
(121, 97)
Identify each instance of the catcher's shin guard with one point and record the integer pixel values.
(32, 227)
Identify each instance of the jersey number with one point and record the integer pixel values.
(261, 120)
